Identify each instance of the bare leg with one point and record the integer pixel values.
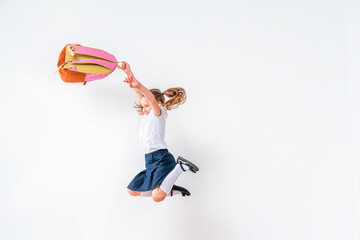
(133, 193)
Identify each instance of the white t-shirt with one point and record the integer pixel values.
(152, 131)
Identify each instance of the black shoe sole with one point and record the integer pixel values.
(192, 167)
(184, 191)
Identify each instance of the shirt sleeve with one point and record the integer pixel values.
(163, 112)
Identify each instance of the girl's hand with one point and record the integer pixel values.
(133, 83)
(126, 68)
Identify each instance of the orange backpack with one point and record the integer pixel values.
(83, 64)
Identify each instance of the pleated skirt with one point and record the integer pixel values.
(158, 165)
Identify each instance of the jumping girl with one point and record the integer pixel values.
(161, 172)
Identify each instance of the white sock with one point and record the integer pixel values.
(170, 179)
(146, 194)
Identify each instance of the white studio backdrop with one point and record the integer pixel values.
(272, 120)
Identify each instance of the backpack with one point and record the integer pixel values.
(83, 64)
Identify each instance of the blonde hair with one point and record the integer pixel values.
(177, 96)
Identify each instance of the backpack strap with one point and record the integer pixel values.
(58, 69)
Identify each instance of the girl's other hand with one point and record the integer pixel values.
(133, 83)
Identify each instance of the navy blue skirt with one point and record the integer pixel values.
(158, 165)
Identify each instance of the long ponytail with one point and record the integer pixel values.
(177, 97)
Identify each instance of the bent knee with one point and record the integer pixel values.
(133, 193)
(158, 197)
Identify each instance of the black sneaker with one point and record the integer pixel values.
(184, 192)
(192, 167)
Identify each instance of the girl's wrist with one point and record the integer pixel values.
(129, 74)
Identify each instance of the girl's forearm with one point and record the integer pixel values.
(129, 74)
(138, 94)
(149, 96)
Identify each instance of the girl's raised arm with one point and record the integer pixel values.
(135, 84)
(151, 98)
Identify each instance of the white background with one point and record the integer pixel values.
(272, 120)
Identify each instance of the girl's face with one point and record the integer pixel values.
(146, 106)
